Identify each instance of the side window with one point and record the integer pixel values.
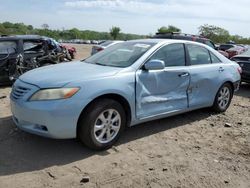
(209, 43)
(8, 47)
(214, 58)
(198, 55)
(31, 47)
(172, 55)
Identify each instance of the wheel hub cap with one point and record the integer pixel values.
(224, 97)
(107, 125)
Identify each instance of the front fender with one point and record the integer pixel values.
(123, 85)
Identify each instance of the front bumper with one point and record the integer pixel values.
(49, 120)
(54, 119)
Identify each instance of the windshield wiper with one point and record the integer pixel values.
(100, 64)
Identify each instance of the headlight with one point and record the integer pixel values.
(53, 94)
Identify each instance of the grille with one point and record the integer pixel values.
(18, 91)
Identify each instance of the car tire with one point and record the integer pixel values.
(101, 124)
(223, 98)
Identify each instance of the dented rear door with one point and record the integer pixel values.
(205, 77)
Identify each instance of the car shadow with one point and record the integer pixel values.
(244, 90)
(23, 152)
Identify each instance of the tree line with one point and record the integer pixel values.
(215, 33)
(8, 28)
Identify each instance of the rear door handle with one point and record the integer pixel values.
(221, 69)
(184, 74)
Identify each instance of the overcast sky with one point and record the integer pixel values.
(132, 16)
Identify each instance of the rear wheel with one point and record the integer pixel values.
(101, 124)
(223, 98)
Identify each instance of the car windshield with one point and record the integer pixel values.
(121, 54)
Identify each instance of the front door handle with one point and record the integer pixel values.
(184, 74)
(221, 69)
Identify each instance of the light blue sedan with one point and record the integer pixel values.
(124, 85)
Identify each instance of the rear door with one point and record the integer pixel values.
(206, 72)
(163, 91)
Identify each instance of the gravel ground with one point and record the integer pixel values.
(196, 149)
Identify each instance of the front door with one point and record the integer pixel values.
(163, 91)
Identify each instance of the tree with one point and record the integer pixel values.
(45, 26)
(114, 32)
(74, 33)
(2, 30)
(168, 29)
(217, 34)
(30, 27)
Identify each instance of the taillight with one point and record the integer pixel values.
(239, 70)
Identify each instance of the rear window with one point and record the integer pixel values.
(8, 47)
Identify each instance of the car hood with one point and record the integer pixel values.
(61, 74)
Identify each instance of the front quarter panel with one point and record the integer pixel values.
(122, 84)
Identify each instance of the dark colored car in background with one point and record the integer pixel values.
(244, 61)
(190, 37)
(225, 47)
(30, 51)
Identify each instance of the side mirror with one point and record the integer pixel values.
(154, 65)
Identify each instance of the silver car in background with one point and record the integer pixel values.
(102, 46)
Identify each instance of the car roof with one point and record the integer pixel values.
(181, 36)
(169, 41)
(24, 37)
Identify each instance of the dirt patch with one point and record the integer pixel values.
(196, 149)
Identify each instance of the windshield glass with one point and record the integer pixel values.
(121, 54)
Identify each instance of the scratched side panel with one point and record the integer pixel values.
(205, 82)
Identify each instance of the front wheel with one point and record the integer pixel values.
(223, 98)
(101, 124)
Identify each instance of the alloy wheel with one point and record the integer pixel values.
(224, 97)
(107, 126)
